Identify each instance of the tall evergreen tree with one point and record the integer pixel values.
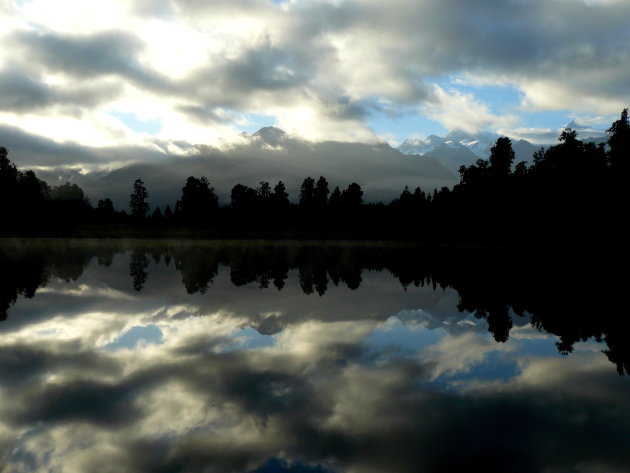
(8, 185)
(279, 197)
(501, 158)
(156, 216)
(335, 197)
(138, 200)
(168, 213)
(264, 192)
(619, 142)
(352, 196)
(306, 192)
(320, 192)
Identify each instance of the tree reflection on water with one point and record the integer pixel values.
(308, 357)
(571, 296)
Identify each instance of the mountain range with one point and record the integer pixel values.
(272, 155)
(459, 148)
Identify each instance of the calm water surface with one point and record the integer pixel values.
(308, 358)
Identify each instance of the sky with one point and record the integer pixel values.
(154, 77)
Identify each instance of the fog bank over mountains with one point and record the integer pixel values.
(267, 155)
(272, 155)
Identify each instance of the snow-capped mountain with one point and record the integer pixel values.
(459, 148)
(585, 132)
(456, 146)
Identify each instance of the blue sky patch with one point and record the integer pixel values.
(131, 120)
(248, 338)
(150, 334)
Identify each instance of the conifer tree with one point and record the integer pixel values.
(138, 200)
(619, 142)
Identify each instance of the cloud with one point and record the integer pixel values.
(458, 354)
(313, 401)
(87, 56)
(459, 111)
(321, 70)
(22, 93)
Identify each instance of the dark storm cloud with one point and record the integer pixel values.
(265, 68)
(23, 93)
(344, 108)
(78, 401)
(29, 149)
(88, 56)
(20, 92)
(21, 364)
(279, 74)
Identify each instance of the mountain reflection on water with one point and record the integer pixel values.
(271, 357)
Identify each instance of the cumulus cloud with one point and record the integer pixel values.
(457, 110)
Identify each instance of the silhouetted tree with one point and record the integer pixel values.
(306, 192)
(138, 264)
(335, 197)
(501, 158)
(31, 194)
(352, 196)
(138, 200)
(105, 212)
(156, 216)
(279, 197)
(619, 142)
(405, 198)
(320, 192)
(264, 192)
(8, 184)
(198, 203)
(106, 206)
(198, 268)
(243, 197)
(69, 205)
(68, 193)
(168, 213)
(476, 174)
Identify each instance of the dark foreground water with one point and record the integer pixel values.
(309, 358)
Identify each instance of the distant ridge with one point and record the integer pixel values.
(271, 155)
(459, 148)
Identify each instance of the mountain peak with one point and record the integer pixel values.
(573, 125)
(585, 131)
(270, 135)
(457, 135)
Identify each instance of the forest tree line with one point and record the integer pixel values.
(572, 189)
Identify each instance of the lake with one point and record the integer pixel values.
(261, 357)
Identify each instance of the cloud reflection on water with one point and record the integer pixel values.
(249, 380)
